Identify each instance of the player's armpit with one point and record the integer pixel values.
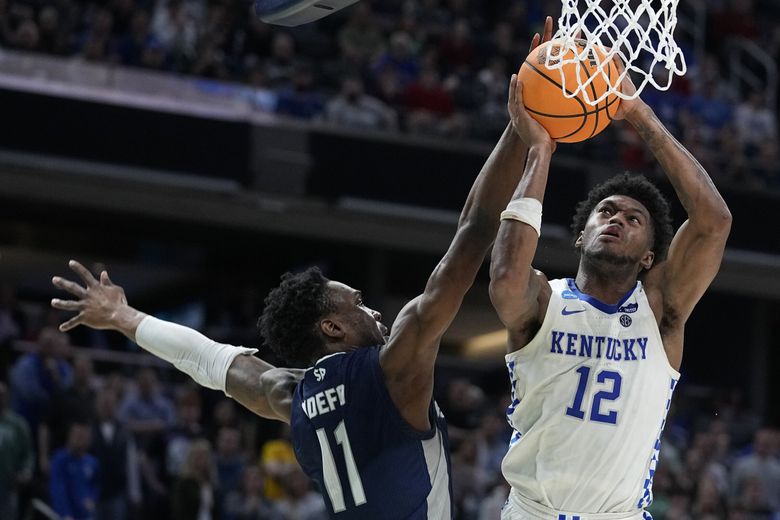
(692, 263)
(262, 388)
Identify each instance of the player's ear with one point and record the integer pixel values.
(331, 329)
(578, 242)
(647, 260)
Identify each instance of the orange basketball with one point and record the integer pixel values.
(568, 120)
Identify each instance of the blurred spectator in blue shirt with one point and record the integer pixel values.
(301, 99)
(38, 375)
(148, 413)
(73, 476)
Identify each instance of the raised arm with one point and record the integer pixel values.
(515, 288)
(257, 385)
(408, 359)
(696, 251)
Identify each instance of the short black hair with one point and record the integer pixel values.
(292, 311)
(639, 188)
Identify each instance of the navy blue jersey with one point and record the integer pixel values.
(367, 461)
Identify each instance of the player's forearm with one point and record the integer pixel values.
(695, 189)
(516, 241)
(493, 187)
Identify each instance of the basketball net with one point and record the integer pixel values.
(640, 35)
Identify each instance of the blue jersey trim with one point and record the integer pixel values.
(603, 307)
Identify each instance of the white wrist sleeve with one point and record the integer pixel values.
(203, 359)
(527, 210)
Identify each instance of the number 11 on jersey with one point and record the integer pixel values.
(331, 475)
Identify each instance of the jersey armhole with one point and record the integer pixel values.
(407, 429)
(525, 352)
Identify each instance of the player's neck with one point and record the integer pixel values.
(608, 287)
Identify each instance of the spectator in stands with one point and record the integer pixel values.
(755, 124)
(52, 38)
(470, 481)
(352, 108)
(360, 39)
(249, 503)
(282, 61)
(148, 413)
(457, 49)
(74, 476)
(277, 459)
(39, 375)
(760, 469)
(301, 100)
(175, 24)
(400, 59)
(75, 403)
(114, 449)
(12, 322)
(300, 501)
(430, 106)
(16, 456)
(186, 431)
(130, 47)
(195, 494)
(230, 460)
(95, 43)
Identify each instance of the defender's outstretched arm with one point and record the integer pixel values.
(101, 304)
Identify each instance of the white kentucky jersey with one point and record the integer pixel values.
(590, 393)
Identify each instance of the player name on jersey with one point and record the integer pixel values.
(324, 402)
(583, 345)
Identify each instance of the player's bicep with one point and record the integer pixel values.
(692, 263)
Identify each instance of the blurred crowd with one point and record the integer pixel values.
(94, 439)
(431, 67)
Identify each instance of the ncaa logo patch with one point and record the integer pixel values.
(631, 307)
(569, 295)
(625, 320)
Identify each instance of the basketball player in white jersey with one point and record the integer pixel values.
(593, 360)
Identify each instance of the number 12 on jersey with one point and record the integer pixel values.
(331, 475)
(575, 410)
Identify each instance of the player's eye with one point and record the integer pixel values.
(605, 210)
(634, 219)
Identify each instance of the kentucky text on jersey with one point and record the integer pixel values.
(323, 402)
(585, 345)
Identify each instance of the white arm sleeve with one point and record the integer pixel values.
(203, 359)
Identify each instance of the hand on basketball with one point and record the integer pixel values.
(529, 130)
(546, 34)
(628, 107)
(97, 303)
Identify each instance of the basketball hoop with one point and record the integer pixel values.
(638, 32)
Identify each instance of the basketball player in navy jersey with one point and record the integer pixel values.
(593, 360)
(364, 425)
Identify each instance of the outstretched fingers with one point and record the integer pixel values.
(67, 305)
(71, 323)
(534, 42)
(83, 272)
(548, 29)
(71, 287)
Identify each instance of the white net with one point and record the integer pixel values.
(639, 32)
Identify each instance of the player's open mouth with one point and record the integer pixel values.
(611, 231)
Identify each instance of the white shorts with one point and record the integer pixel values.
(518, 507)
